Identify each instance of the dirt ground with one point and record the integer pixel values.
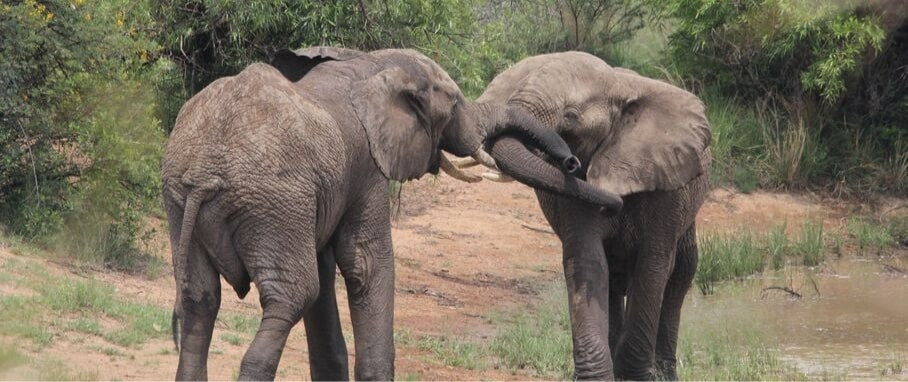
(463, 252)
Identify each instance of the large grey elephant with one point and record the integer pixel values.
(646, 141)
(280, 173)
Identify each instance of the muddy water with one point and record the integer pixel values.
(850, 323)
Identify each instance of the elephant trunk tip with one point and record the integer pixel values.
(571, 164)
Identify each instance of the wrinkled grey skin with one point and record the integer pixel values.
(648, 142)
(273, 177)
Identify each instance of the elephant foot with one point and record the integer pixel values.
(666, 370)
(635, 375)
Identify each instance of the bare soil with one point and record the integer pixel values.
(463, 252)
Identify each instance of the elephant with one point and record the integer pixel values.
(280, 174)
(647, 142)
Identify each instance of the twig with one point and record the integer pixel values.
(32, 156)
(784, 289)
(537, 228)
(813, 282)
(883, 214)
(893, 269)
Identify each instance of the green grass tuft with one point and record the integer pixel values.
(243, 323)
(233, 339)
(86, 325)
(777, 246)
(870, 237)
(454, 352)
(726, 257)
(810, 244)
(539, 340)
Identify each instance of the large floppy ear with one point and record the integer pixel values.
(295, 64)
(393, 108)
(658, 144)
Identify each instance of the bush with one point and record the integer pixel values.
(80, 143)
(822, 73)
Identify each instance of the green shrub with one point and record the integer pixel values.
(820, 72)
(79, 138)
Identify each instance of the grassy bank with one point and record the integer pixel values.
(44, 309)
(740, 254)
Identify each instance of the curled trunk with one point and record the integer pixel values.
(480, 122)
(518, 161)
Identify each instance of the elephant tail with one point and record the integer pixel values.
(194, 200)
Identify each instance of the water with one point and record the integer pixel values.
(856, 327)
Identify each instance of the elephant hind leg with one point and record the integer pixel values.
(327, 349)
(201, 299)
(285, 273)
(675, 290)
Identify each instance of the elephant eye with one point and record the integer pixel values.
(453, 106)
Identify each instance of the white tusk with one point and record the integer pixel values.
(497, 177)
(452, 170)
(483, 157)
(464, 162)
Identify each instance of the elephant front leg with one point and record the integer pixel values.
(637, 342)
(365, 257)
(669, 321)
(586, 273)
(327, 349)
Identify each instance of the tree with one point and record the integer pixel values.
(77, 132)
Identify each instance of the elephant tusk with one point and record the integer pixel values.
(483, 157)
(497, 177)
(456, 173)
(464, 162)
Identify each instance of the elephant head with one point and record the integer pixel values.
(411, 110)
(633, 133)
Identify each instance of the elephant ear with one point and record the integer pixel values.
(295, 64)
(392, 106)
(657, 145)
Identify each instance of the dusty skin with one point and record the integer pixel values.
(463, 251)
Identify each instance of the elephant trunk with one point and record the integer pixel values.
(516, 160)
(483, 122)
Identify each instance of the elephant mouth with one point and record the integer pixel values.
(435, 163)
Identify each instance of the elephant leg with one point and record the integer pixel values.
(669, 321)
(365, 258)
(616, 293)
(327, 349)
(201, 299)
(285, 273)
(636, 345)
(586, 273)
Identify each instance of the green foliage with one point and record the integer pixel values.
(214, 38)
(781, 46)
(79, 137)
(820, 73)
